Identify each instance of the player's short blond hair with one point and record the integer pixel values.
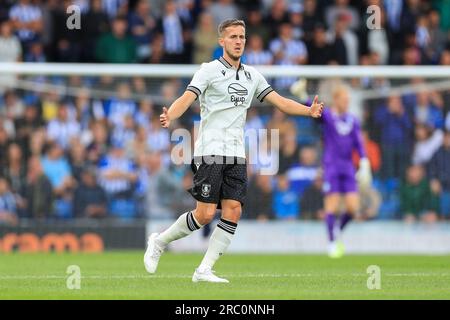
(339, 89)
(228, 23)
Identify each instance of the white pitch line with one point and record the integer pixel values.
(187, 276)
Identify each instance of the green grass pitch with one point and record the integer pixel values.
(121, 275)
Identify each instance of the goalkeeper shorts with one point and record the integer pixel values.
(335, 182)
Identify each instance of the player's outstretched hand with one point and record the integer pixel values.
(316, 108)
(164, 118)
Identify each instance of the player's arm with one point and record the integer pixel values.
(292, 107)
(364, 173)
(177, 108)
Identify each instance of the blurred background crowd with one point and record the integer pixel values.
(92, 147)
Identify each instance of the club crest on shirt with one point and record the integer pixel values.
(344, 127)
(206, 188)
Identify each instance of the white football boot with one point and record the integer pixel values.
(335, 249)
(207, 275)
(152, 254)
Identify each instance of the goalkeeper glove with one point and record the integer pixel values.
(298, 89)
(364, 174)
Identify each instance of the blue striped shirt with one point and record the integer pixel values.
(25, 14)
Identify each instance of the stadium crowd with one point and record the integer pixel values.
(97, 155)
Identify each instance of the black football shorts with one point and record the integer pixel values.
(219, 177)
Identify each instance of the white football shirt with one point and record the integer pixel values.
(225, 93)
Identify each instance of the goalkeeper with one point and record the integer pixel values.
(341, 135)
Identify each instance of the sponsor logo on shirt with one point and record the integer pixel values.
(238, 93)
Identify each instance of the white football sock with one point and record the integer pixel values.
(184, 226)
(218, 243)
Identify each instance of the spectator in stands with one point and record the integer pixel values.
(260, 203)
(125, 133)
(13, 107)
(319, 51)
(255, 26)
(8, 206)
(395, 127)
(205, 38)
(62, 129)
(256, 55)
(14, 171)
(90, 199)
(161, 188)
(344, 42)
(98, 148)
(142, 25)
(35, 53)
(10, 48)
(428, 109)
(302, 173)
(142, 182)
(158, 139)
(438, 38)
(56, 167)
(37, 142)
(176, 35)
(287, 51)
(38, 194)
(139, 85)
(443, 8)
(277, 16)
(254, 120)
(341, 8)
(394, 11)
(417, 201)
(10, 51)
(378, 41)
(280, 121)
(296, 20)
(311, 18)
(144, 113)
(138, 144)
(222, 10)
(27, 21)
(157, 49)
(49, 105)
(311, 202)
(184, 199)
(4, 142)
(445, 58)
(285, 199)
(118, 107)
(114, 8)
(95, 23)
(439, 169)
(117, 174)
(427, 143)
(411, 56)
(26, 126)
(85, 109)
(117, 46)
(77, 159)
(66, 42)
(289, 152)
